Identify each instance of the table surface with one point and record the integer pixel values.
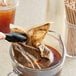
(69, 68)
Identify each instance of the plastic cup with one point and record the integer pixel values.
(70, 39)
(7, 14)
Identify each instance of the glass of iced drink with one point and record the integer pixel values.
(7, 14)
(53, 42)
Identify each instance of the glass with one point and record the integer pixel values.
(52, 39)
(70, 39)
(7, 15)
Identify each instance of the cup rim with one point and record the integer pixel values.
(11, 7)
(70, 25)
(52, 67)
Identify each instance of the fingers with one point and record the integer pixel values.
(2, 36)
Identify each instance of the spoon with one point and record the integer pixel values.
(13, 37)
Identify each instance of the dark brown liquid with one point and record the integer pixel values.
(57, 56)
(21, 59)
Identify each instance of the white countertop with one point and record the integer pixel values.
(25, 18)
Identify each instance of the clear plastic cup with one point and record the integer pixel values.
(7, 14)
(70, 39)
(52, 39)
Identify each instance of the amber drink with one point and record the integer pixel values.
(7, 14)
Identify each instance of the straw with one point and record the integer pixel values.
(70, 7)
(3, 2)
